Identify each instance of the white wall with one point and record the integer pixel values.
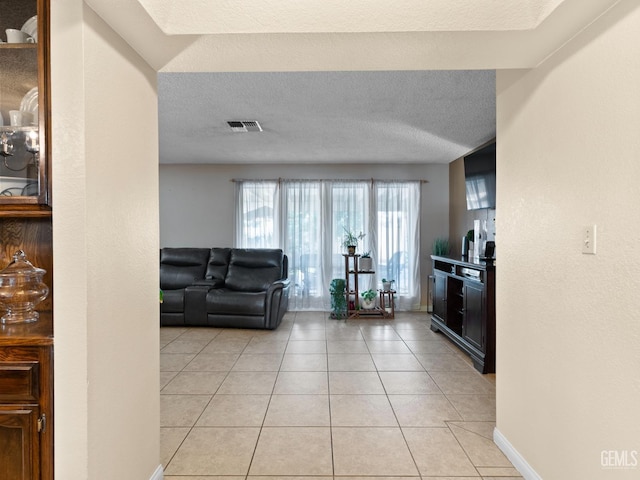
(197, 201)
(105, 224)
(568, 346)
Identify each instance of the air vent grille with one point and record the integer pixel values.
(245, 126)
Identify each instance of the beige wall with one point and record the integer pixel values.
(197, 201)
(105, 226)
(568, 341)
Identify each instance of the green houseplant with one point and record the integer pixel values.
(350, 240)
(338, 298)
(470, 235)
(368, 299)
(386, 284)
(441, 247)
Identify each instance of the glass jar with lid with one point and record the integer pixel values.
(21, 290)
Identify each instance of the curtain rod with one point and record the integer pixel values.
(323, 180)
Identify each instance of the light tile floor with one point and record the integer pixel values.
(328, 399)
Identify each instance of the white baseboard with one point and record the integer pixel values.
(158, 474)
(514, 456)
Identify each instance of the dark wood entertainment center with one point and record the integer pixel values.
(464, 307)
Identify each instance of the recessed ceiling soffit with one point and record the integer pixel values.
(210, 17)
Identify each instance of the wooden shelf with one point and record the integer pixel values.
(31, 211)
(351, 273)
(22, 46)
(38, 333)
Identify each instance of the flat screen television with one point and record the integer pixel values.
(480, 178)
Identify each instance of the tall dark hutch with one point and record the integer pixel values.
(26, 350)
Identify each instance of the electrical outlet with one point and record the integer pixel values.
(589, 240)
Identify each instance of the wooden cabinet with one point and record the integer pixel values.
(474, 318)
(26, 350)
(24, 105)
(26, 400)
(464, 307)
(440, 295)
(19, 443)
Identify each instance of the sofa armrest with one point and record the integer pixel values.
(278, 285)
(276, 302)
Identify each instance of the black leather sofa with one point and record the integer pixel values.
(223, 287)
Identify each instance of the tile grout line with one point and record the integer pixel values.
(333, 457)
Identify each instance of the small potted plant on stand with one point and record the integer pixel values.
(366, 264)
(386, 285)
(350, 241)
(368, 299)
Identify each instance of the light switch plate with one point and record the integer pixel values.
(589, 240)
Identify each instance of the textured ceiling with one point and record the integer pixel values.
(382, 80)
(310, 117)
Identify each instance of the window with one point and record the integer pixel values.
(255, 215)
(308, 218)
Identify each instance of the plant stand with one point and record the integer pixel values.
(354, 310)
(388, 303)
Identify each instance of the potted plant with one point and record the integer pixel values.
(441, 247)
(368, 299)
(386, 285)
(350, 241)
(338, 298)
(366, 264)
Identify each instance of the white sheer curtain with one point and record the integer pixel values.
(308, 219)
(398, 239)
(316, 214)
(303, 242)
(349, 210)
(257, 214)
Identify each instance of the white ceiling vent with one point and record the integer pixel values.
(245, 126)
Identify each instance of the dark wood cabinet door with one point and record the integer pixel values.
(24, 86)
(440, 296)
(473, 321)
(19, 443)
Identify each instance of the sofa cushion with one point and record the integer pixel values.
(253, 270)
(218, 264)
(224, 301)
(179, 267)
